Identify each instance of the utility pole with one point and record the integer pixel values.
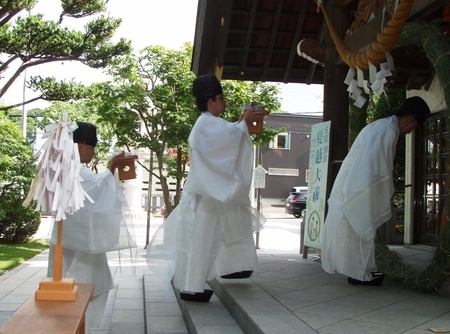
(24, 111)
(258, 192)
(149, 201)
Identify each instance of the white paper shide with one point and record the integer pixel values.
(57, 186)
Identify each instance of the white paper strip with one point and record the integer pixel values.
(360, 101)
(353, 85)
(366, 87)
(350, 76)
(360, 77)
(58, 186)
(372, 71)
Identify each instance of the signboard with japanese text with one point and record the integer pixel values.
(259, 177)
(317, 183)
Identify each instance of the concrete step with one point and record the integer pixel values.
(207, 318)
(254, 309)
(165, 312)
(237, 306)
(161, 309)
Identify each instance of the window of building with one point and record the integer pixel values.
(281, 141)
(432, 177)
(283, 171)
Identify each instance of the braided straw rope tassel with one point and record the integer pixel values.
(385, 42)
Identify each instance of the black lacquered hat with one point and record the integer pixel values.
(419, 108)
(86, 133)
(206, 85)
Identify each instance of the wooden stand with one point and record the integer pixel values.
(127, 170)
(51, 317)
(57, 288)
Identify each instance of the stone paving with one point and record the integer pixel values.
(287, 294)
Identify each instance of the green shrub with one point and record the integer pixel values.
(17, 169)
(18, 224)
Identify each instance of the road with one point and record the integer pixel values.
(280, 235)
(281, 232)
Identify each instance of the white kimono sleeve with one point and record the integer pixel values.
(100, 226)
(221, 160)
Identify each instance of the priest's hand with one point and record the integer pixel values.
(252, 115)
(116, 161)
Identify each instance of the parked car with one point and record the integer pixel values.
(299, 189)
(296, 201)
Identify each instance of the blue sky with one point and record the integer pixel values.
(168, 23)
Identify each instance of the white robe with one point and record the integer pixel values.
(90, 232)
(360, 201)
(210, 233)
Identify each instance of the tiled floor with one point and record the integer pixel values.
(287, 294)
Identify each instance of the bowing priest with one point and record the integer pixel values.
(360, 200)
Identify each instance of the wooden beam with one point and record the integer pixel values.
(295, 40)
(253, 73)
(248, 37)
(410, 82)
(204, 58)
(273, 36)
(429, 81)
(312, 66)
(223, 20)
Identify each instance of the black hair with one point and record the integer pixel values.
(202, 102)
(414, 106)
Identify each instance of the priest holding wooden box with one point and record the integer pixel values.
(210, 233)
(97, 227)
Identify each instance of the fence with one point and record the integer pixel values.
(156, 203)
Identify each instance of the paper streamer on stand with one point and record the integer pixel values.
(57, 185)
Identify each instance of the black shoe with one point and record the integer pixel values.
(239, 274)
(201, 297)
(375, 280)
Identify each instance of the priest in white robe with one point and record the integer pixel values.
(210, 233)
(360, 200)
(95, 228)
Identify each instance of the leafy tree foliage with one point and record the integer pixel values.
(15, 115)
(31, 40)
(17, 170)
(149, 104)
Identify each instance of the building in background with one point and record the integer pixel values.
(286, 158)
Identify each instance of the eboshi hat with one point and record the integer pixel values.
(419, 108)
(206, 85)
(86, 133)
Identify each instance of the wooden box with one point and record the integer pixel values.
(127, 170)
(255, 128)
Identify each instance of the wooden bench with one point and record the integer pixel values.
(51, 317)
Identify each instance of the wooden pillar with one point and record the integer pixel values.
(336, 97)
